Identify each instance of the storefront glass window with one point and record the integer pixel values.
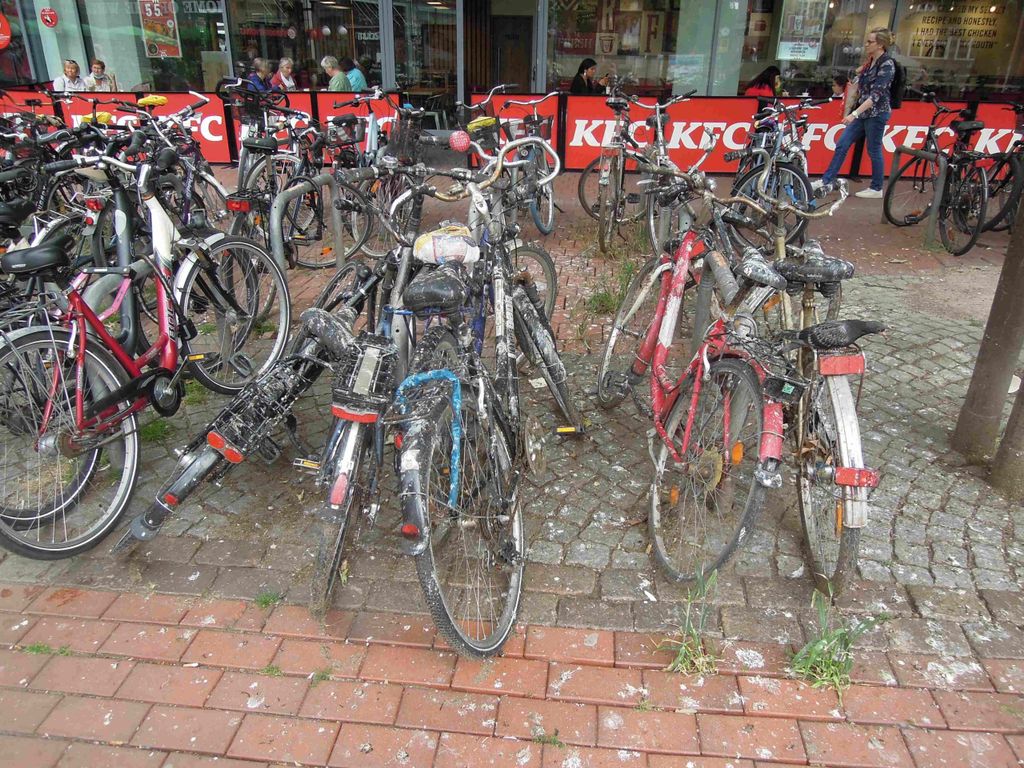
(426, 57)
(15, 64)
(306, 32)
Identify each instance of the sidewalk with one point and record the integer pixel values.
(111, 679)
(99, 648)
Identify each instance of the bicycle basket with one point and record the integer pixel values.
(403, 143)
(347, 129)
(364, 379)
(484, 131)
(540, 126)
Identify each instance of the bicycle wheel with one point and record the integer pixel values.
(471, 568)
(542, 204)
(304, 227)
(588, 187)
(356, 219)
(1005, 182)
(908, 196)
(608, 202)
(63, 490)
(238, 300)
(537, 340)
(962, 213)
(383, 192)
(787, 183)
(214, 203)
(530, 261)
(705, 507)
(266, 177)
(828, 436)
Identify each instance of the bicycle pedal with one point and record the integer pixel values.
(632, 198)
(570, 430)
(309, 465)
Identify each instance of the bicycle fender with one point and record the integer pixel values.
(181, 275)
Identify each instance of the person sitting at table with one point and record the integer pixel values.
(767, 85)
(98, 79)
(584, 81)
(70, 80)
(259, 80)
(355, 76)
(339, 82)
(283, 79)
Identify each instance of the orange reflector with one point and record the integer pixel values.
(326, 250)
(673, 495)
(170, 499)
(411, 531)
(839, 517)
(737, 453)
(772, 302)
(233, 455)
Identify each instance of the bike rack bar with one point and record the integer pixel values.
(932, 225)
(298, 190)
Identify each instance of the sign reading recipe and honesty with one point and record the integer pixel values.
(803, 25)
(160, 29)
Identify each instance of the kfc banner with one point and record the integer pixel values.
(380, 108)
(514, 113)
(590, 123)
(207, 124)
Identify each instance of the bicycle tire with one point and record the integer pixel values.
(265, 179)
(533, 331)
(912, 201)
(1005, 183)
(828, 435)
(384, 192)
(486, 470)
(252, 342)
(32, 366)
(587, 189)
(962, 213)
(613, 386)
(793, 183)
(542, 205)
(304, 227)
(534, 259)
(608, 204)
(683, 560)
(356, 221)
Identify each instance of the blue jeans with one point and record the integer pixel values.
(873, 128)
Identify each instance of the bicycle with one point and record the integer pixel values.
(71, 392)
(961, 214)
(1005, 181)
(524, 190)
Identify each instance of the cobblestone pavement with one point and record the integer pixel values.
(941, 555)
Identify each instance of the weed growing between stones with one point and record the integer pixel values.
(267, 599)
(550, 739)
(826, 660)
(692, 655)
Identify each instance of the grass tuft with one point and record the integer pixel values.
(37, 648)
(155, 431)
(692, 655)
(271, 670)
(268, 599)
(320, 676)
(551, 739)
(826, 660)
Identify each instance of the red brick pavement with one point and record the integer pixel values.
(90, 678)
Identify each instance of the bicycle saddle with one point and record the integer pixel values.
(816, 267)
(836, 334)
(264, 144)
(756, 269)
(966, 126)
(444, 289)
(653, 119)
(41, 259)
(13, 212)
(616, 104)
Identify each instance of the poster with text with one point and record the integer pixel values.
(160, 29)
(803, 25)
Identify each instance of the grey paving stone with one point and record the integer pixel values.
(588, 553)
(178, 578)
(586, 612)
(249, 583)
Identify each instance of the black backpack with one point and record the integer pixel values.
(898, 87)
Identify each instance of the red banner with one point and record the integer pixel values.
(590, 123)
(17, 101)
(208, 124)
(515, 112)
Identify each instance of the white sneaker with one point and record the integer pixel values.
(873, 194)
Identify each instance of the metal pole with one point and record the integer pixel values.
(386, 26)
(291, 193)
(460, 50)
(931, 228)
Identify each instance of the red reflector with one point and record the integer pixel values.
(339, 490)
(216, 440)
(841, 365)
(411, 531)
(856, 478)
(233, 455)
(362, 418)
(170, 500)
(89, 221)
(398, 441)
(95, 203)
(239, 206)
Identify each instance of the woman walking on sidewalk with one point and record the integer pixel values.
(869, 117)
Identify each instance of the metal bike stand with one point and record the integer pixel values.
(298, 190)
(932, 225)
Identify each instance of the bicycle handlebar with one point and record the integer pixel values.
(535, 102)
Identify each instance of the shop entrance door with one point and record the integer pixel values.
(513, 51)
